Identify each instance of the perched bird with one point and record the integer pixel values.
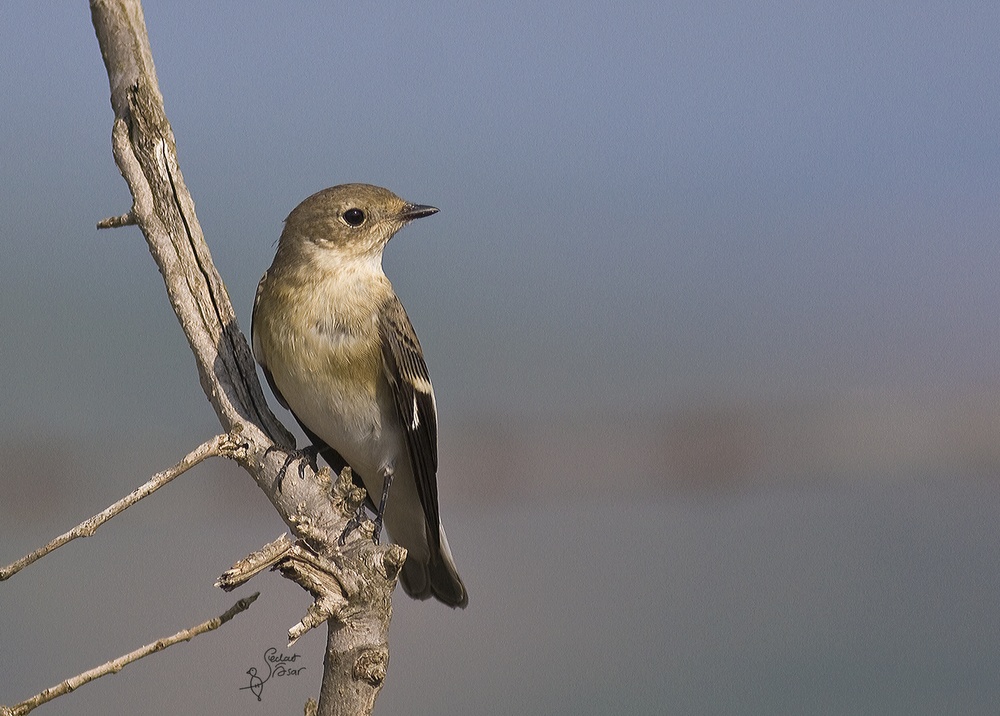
(338, 350)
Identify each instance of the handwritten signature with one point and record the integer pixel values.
(277, 666)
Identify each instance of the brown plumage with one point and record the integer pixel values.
(339, 351)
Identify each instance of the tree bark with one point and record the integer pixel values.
(357, 600)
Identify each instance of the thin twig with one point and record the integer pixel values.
(116, 665)
(117, 222)
(255, 563)
(212, 448)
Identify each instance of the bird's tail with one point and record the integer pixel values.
(437, 577)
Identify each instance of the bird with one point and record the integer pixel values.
(256, 683)
(338, 350)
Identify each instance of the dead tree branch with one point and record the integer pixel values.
(145, 152)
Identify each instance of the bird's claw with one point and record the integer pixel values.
(305, 456)
(352, 524)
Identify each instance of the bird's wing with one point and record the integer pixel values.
(406, 372)
(259, 354)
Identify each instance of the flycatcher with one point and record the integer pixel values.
(338, 350)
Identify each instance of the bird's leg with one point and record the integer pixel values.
(380, 514)
(306, 456)
(359, 516)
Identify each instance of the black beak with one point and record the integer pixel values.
(417, 211)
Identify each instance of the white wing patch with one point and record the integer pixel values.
(416, 414)
(420, 384)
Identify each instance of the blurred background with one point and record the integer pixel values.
(710, 308)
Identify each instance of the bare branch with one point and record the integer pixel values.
(163, 209)
(145, 152)
(255, 563)
(116, 665)
(116, 222)
(340, 589)
(219, 445)
(341, 592)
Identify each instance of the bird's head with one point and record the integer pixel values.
(351, 220)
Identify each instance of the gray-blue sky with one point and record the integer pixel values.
(651, 203)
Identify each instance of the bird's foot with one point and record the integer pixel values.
(352, 524)
(305, 456)
(360, 515)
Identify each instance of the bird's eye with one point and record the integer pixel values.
(353, 217)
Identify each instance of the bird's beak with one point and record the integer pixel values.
(416, 211)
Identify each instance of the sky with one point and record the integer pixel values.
(640, 206)
(649, 209)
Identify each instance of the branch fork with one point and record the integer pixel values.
(338, 582)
